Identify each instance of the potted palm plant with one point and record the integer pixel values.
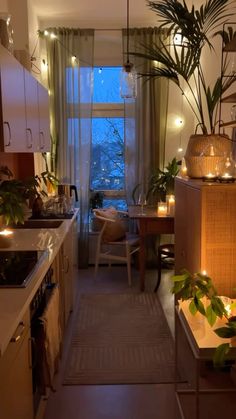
(181, 62)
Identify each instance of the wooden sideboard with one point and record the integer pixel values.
(205, 231)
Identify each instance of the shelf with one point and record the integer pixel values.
(229, 99)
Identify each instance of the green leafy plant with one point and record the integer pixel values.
(181, 62)
(162, 182)
(196, 288)
(14, 194)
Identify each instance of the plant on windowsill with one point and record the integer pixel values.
(190, 31)
(160, 184)
(197, 288)
(16, 194)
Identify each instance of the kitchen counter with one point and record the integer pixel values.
(15, 301)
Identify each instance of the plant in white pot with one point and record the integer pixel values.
(181, 62)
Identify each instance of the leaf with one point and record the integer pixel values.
(179, 278)
(225, 332)
(210, 315)
(199, 306)
(217, 306)
(192, 308)
(220, 354)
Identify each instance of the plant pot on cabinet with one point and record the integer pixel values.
(204, 153)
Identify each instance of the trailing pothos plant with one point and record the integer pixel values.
(196, 288)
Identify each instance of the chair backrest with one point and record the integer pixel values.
(111, 226)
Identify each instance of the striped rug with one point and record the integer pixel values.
(120, 339)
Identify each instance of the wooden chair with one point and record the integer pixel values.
(113, 239)
(166, 254)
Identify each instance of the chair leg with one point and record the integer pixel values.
(128, 264)
(96, 262)
(158, 272)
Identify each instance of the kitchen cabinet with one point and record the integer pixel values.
(205, 231)
(37, 115)
(13, 124)
(16, 399)
(25, 123)
(32, 112)
(64, 267)
(44, 124)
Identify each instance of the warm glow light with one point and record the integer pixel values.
(226, 176)
(179, 122)
(162, 209)
(53, 36)
(180, 149)
(204, 272)
(46, 33)
(6, 232)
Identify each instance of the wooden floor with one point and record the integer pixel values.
(145, 401)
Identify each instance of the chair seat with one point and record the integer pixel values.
(131, 239)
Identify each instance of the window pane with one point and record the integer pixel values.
(107, 163)
(106, 85)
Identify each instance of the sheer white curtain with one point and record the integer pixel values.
(70, 78)
(146, 116)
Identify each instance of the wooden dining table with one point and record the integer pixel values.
(149, 224)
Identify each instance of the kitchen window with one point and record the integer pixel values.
(107, 158)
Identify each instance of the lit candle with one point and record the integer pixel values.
(170, 199)
(162, 209)
(226, 176)
(5, 238)
(210, 175)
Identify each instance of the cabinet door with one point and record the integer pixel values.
(16, 393)
(188, 227)
(44, 122)
(67, 272)
(13, 103)
(32, 112)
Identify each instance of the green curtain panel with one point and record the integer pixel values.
(146, 116)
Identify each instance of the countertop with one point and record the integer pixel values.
(14, 302)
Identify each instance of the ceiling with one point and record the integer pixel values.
(102, 14)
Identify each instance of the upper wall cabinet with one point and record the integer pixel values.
(37, 115)
(44, 124)
(22, 99)
(13, 135)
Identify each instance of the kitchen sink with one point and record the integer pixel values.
(39, 224)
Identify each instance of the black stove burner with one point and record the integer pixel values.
(17, 267)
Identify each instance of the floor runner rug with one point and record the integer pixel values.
(120, 339)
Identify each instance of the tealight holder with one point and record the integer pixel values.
(226, 170)
(5, 238)
(162, 209)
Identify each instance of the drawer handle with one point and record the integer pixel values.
(19, 332)
(29, 144)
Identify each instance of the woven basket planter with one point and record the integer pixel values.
(198, 161)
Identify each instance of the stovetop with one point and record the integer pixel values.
(18, 266)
